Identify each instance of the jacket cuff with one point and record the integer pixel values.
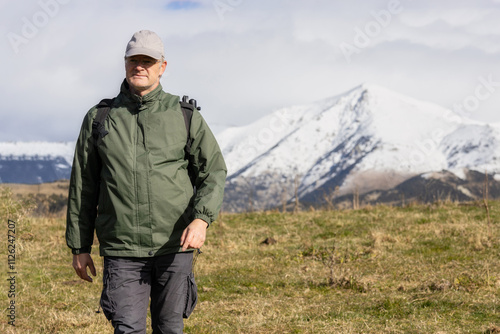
(83, 250)
(205, 218)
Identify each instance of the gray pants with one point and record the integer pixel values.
(128, 283)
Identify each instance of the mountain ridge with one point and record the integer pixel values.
(328, 144)
(368, 138)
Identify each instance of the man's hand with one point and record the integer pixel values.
(194, 235)
(80, 263)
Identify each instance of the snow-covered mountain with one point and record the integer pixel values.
(368, 138)
(35, 162)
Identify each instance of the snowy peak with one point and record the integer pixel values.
(337, 142)
(314, 131)
(473, 145)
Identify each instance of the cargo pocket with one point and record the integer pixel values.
(191, 297)
(107, 304)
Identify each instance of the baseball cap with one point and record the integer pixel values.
(145, 42)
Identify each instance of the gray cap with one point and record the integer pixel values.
(145, 42)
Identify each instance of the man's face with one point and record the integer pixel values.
(143, 73)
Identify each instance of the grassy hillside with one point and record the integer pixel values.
(417, 269)
(47, 198)
(51, 188)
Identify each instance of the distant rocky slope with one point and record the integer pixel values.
(428, 188)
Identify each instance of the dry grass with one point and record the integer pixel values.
(51, 188)
(420, 269)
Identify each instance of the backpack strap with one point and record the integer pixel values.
(98, 129)
(188, 108)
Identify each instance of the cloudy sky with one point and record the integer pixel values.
(242, 59)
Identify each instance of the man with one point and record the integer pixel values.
(131, 184)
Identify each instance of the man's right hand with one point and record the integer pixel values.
(80, 263)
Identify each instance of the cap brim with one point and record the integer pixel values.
(144, 52)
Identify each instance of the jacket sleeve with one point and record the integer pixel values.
(83, 191)
(209, 170)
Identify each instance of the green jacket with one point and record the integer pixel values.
(134, 188)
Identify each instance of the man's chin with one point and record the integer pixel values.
(139, 86)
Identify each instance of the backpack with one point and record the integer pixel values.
(187, 106)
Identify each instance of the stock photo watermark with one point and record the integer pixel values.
(32, 25)
(363, 36)
(11, 272)
(484, 90)
(224, 6)
(278, 124)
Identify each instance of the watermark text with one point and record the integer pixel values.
(11, 272)
(224, 6)
(32, 25)
(373, 28)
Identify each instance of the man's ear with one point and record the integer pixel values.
(163, 66)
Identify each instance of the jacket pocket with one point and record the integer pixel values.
(191, 297)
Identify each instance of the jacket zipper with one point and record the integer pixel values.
(136, 188)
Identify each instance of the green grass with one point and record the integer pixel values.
(418, 269)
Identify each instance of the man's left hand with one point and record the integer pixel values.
(194, 235)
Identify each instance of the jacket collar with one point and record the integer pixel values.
(141, 100)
